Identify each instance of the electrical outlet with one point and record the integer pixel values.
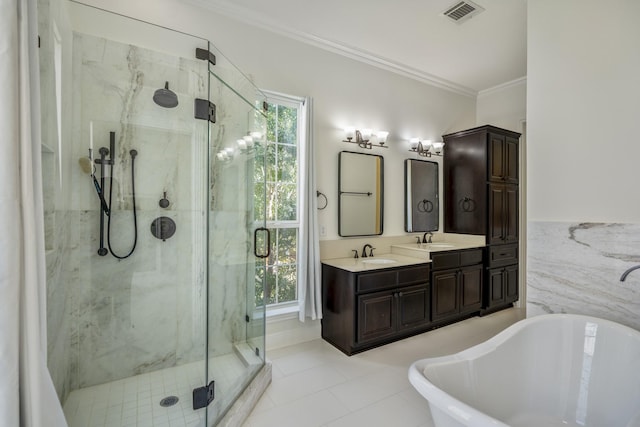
(323, 231)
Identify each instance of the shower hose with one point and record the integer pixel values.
(133, 154)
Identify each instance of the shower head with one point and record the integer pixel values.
(165, 98)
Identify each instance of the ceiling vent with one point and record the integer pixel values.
(462, 11)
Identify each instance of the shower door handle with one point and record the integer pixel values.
(255, 242)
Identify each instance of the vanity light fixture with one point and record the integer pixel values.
(364, 138)
(426, 148)
(246, 142)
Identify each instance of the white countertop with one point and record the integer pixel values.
(356, 265)
(423, 250)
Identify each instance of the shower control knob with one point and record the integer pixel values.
(163, 228)
(164, 202)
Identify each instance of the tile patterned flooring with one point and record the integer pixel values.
(315, 385)
(135, 401)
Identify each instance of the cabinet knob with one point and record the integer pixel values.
(399, 294)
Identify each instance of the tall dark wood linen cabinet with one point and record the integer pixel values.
(481, 197)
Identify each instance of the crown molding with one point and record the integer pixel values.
(503, 86)
(252, 18)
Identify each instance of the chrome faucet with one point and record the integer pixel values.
(626, 273)
(364, 250)
(424, 237)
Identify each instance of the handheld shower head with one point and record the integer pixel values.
(165, 97)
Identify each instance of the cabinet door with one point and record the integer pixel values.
(470, 282)
(445, 294)
(375, 316)
(510, 214)
(511, 283)
(413, 307)
(497, 213)
(496, 291)
(503, 214)
(465, 185)
(503, 159)
(511, 161)
(497, 157)
(503, 285)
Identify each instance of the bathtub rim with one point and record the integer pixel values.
(459, 410)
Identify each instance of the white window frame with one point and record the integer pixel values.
(296, 102)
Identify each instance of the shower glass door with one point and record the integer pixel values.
(237, 234)
(150, 213)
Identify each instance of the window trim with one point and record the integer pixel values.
(297, 103)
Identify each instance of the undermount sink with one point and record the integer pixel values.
(378, 261)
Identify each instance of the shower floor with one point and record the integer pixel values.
(135, 401)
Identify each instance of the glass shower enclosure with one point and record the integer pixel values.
(151, 219)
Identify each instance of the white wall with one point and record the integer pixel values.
(583, 149)
(345, 92)
(504, 106)
(583, 110)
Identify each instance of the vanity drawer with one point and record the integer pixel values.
(500, 255)
(443, 260)
(458, 258)
(413, 275)
(373, 281)
(471, 257)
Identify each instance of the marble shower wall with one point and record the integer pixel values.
(145, 312)
(576, 268)
(116, 318)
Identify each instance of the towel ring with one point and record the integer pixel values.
(326, 202)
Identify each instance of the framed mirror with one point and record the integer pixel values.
(422, 208)
(360, 194)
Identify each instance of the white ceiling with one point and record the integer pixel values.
(410, 37)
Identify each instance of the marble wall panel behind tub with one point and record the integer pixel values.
(576, 268)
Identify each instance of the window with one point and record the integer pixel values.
(277, 283)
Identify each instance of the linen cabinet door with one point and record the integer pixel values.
(497, 214)
(511, 283)
(510, 218)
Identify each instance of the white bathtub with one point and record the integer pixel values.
(552, 370)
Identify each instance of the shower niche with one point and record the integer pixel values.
(177, 317)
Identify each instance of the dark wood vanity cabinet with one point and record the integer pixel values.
(456, 280)
(366, 309)
(481, 177)
(480, 169)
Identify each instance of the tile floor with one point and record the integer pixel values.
(135, 401)
(316, 385)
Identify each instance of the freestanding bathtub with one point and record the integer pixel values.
(551, 370)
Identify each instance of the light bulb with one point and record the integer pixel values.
(382, 136)
(437, 147)
(349, 132)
